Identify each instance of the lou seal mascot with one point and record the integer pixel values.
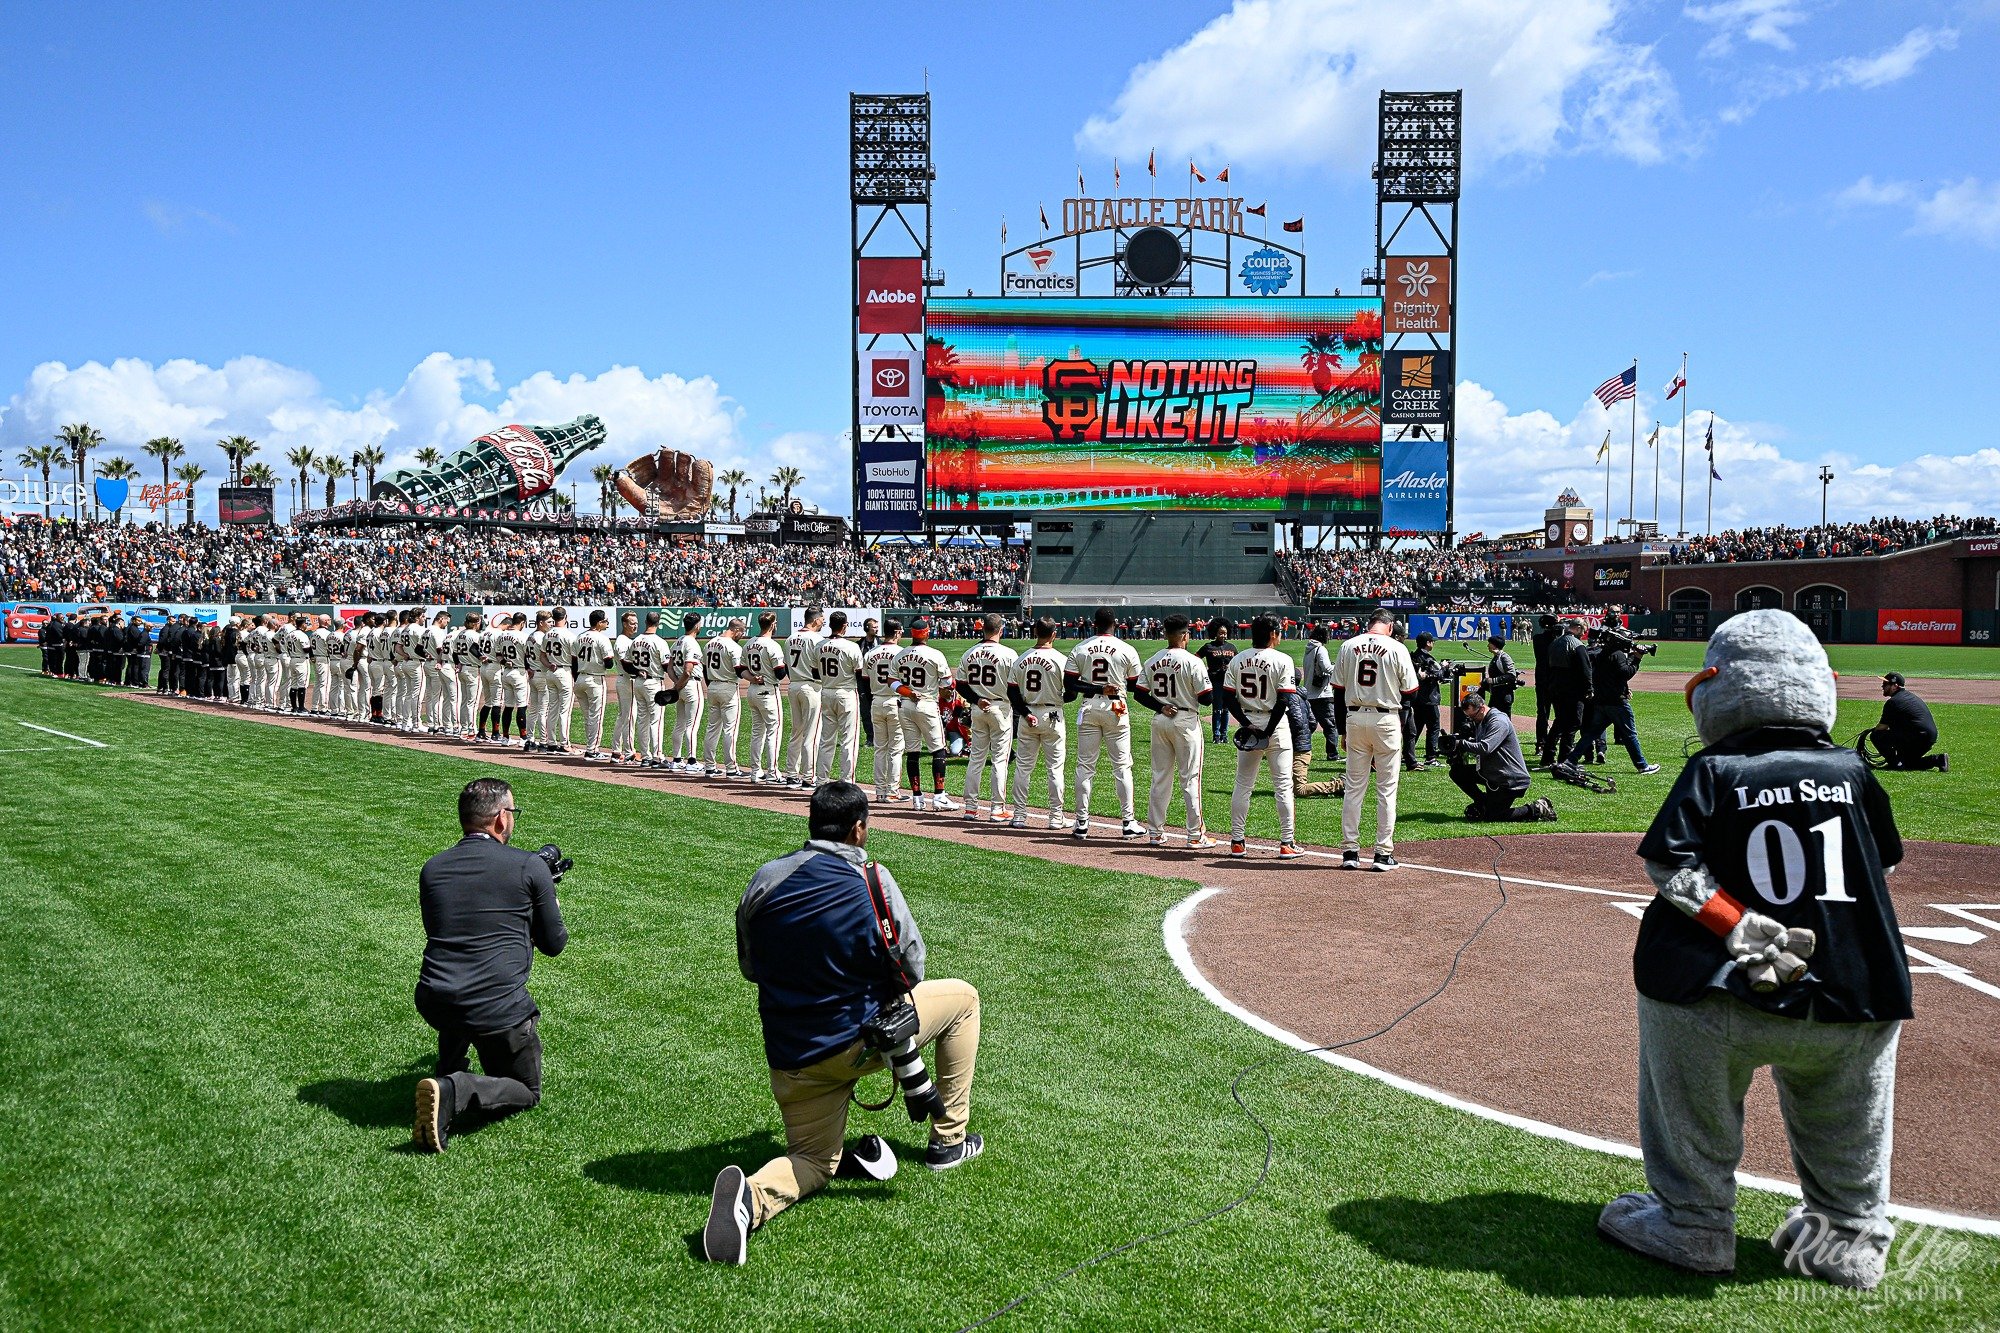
(1772, 941)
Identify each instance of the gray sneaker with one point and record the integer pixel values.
(945, 1156)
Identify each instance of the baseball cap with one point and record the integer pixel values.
(1496, 639)
(1893, 677)
(921, 625)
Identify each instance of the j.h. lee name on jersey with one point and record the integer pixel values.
(1809, 791)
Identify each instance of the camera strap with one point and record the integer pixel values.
(885, 923)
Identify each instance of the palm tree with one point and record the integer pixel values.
(258, 474)
(601, 474)
(45, 457)
(786, 479)
(77, 440)
(428, 457)
(117, 469)
(190, 473)
(165, 448)
(238, 449)
(301, 458)
(1322, 359)
(735, 479)
(371, 458)
(333, 467)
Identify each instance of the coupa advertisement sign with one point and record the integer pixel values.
(1919, 626)
(1462, 629)
(1414, 486)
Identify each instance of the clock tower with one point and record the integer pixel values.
(1568, 522)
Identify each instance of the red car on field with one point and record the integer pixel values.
(25, 620)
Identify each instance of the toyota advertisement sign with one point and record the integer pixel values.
(892, 295)
(892, 386)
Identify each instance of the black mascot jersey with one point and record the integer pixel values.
(1797, 829)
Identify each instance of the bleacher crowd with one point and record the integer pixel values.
(1373, 575)
(61, 561)
(1878, 536)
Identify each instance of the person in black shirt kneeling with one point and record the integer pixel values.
(1907, 731)
(487, 907)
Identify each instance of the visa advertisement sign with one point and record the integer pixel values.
(1414, 486)
(1461, 628)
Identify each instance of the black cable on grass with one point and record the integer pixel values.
(1236, 1095)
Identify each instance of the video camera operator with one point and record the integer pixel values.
(1486, 764)
(1547, 631)
(1568, 681)
(1501, 677)
(487, 907)
(1907, 730)
(1421, 712)
(1613, 657)
(839, 963)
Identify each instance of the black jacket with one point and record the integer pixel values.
(1611, 674)
(487, 907)
(1904, 714)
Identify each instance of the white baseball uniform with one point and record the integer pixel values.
(1374, 671)
(463, 652)
(1261, 679)
(510, 650)
(925, 670)
(802, 700)
(837, 662)
(621, 735)
(592, 660)
(684, 663)
(1038, 674)
(724, 706)
(761, 659)
(440, 679)
(648, 659)
(1104, 724)
(558, 682)
(879, 663)
(1177, 680)
(986, 669)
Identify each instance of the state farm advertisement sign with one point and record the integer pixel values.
(1919, 626)
(534, 467)
(944, 587)
(892, 295)
(892, 386)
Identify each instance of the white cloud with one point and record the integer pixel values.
(1891, 65)
(1967, 209)
(1296, 81)
(1511, 466)
(443, 403)
(168, 218)
(1763, 21)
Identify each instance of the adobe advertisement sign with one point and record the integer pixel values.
(1416, 294)
(1919, 626)
(892, 295)
(1416, 387)
(944, 587)
(1414, 486)
(892, 486)
(892, 386)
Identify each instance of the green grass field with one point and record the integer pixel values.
(211, 1052)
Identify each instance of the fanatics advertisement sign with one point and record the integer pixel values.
(892, 386)
(1416, 388)
(1041, 277)
(892, 295)
(1920, 626)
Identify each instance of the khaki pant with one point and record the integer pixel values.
(992, 739)
(767, 730)
(1040, 738)
(802, 751)
(538, 701)
(725, 714)
(1177, 757)
(888, 744)
(590, 692)
(1099, 729)
(1279, 753)
(1302, 783)
(440, 696)
(814, 1100)
(1374, 741)
(839, 733)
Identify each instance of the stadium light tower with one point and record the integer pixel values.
(1825, 480)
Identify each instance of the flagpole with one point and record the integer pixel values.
(1656, 476)
(1711, 472)
(1632, 455)
(1605, 449)
(1683, 526)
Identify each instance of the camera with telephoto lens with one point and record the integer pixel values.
(552, 857)
(893, 1031)
(1614, 639)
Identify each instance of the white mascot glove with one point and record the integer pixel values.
(1768, 953)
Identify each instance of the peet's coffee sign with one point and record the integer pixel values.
(1416, 294)
(1105, 214)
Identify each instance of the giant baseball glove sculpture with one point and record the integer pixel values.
(667, 484)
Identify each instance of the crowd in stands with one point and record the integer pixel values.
(62, 561)
(1878, 536)
(1428, 575)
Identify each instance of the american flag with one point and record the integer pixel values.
(1623, 385)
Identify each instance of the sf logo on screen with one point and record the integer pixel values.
(1149, 400)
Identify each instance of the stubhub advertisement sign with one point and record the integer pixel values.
(892, 486)
(1413, 486)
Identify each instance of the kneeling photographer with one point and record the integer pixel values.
(1486, 764)
(487, 907)
(839, 963)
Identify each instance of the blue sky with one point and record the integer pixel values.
(358, 226)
